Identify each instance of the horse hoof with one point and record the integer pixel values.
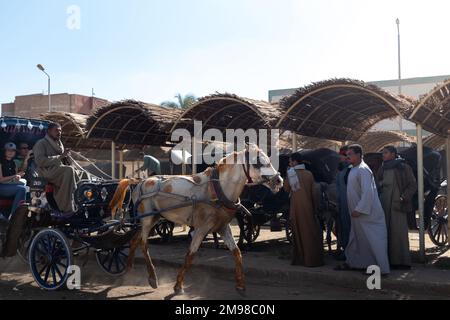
(178, 291)
(241, 291)
(153, 283)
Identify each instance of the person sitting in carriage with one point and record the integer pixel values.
(52, 163)
(11, 183)
(25, 161)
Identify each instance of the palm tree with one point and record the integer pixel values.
(181, 103)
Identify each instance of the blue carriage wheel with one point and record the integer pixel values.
(50, 257)
(113, 262)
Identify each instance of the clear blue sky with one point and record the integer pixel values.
(151, 49)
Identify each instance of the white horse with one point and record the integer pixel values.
(206, 202)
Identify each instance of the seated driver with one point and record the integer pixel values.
(50, 157)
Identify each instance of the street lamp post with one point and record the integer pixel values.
(40, 67)
(400, 91)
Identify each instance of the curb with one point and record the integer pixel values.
(350, 280)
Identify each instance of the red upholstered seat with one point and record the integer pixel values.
(6, 203)
(50, 188)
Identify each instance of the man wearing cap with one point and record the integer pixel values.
(151, 165)
(50, 156)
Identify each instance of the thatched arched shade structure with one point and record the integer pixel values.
(74, 130)
(132, 123)
(306, 143)
(434, 142)
(339, 109)
(375, 141)
(229, 111)
(433, 110)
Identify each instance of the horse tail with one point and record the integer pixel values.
(120, 194)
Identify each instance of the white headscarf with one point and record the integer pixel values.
(294, 181)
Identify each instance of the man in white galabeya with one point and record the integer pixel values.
(368, 243)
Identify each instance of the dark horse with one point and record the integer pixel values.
(323, 163)
(432, 162)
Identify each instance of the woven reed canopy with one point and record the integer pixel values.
(375, 141)
(228, 111)
(433, 110)
(339, 109)
(305, 143)
(74, 130)
(434, 142)
(132, 123)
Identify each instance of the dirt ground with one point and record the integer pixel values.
(17, 283)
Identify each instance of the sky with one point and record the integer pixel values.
(150, 50)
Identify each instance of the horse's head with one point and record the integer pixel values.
(259, 169)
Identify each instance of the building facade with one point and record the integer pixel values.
(32, 106)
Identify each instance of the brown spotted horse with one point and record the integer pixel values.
(207, 202)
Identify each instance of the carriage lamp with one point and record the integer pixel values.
(89, 195)
(29, 125)
(4, 125)
(104, 194)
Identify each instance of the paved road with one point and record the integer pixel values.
(17, 283)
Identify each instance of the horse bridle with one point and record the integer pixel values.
(246, 165)
(218, 189)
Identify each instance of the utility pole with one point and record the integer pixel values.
(400, 89)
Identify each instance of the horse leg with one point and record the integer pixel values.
(146, 228)
(227, 237)
(133, 246)
(197, 239)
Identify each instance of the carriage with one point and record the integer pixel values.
(438, 229)
(47, 240)
(266, 207)
(323, 163)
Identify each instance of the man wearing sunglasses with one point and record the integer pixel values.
(25, 154)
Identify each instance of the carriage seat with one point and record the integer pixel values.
(6, 203)
(50, 188)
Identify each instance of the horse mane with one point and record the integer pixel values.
(120, 194)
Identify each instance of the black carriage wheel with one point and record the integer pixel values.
(50, 257)
(249, 231)
(438, 230)
(113, 262)
(165, 230)
(255, 233)
(289, 234)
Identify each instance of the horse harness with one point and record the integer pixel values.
(219, 199)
